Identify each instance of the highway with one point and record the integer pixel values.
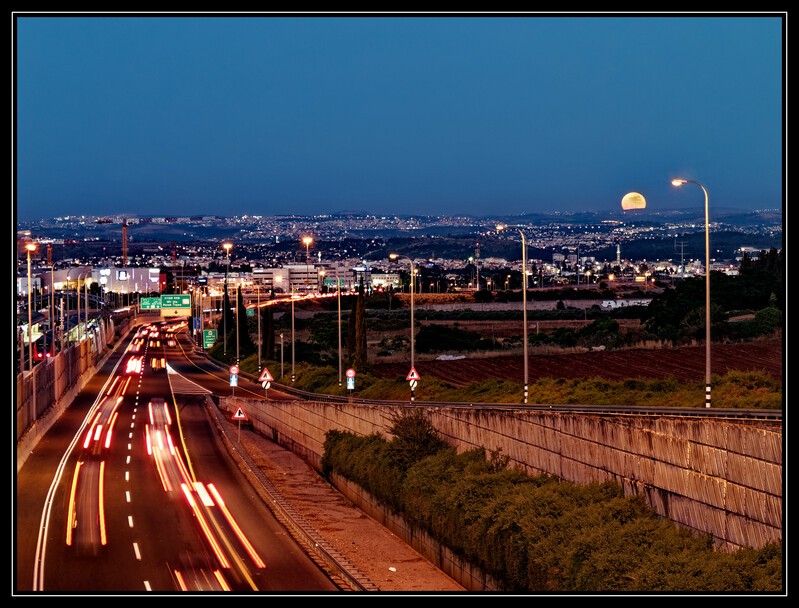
(132, 491)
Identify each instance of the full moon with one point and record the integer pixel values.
(633, 200)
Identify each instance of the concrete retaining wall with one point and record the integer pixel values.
(714, 476)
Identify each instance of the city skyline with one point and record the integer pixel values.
(457, 114)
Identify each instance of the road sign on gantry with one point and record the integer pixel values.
(150, 303)
(176, 305)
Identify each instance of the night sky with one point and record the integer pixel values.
(262, 114)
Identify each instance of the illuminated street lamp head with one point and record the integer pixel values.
(307, 240)
(501, 227)
(678, 182)
(227, 247)
(393, 256)
(31, 247)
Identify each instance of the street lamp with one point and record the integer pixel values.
(293, 376)
(85, 303)
(30, 247)
(227, 246)
(679, 182)
(307, 240)
(394, 256)
(338, 297)
(524, 308)
(238, 289)
(258, 312)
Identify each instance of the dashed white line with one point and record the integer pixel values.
(130, 521)
(136, 551)
(127, 495)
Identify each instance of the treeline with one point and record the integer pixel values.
(538, 533)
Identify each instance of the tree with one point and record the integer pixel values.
(351, 334)
(268, 333)
(360, 360)
(228, 321)
(246, 346)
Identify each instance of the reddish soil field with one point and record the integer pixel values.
(684, 363)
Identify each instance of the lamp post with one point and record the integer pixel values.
(293, 377)
(281, 354)
(30, 247)
(394, 256)
(338, 297)
(524, 309)
(238, 289)
(85, 304)
(679, 182)
(307, 240)
(258, 313)
(227, 247)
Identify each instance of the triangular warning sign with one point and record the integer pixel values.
(413, 374)
(265, 376)
(239, 415)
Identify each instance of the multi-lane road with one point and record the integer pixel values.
(131, 490)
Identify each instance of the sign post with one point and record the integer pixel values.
(350, 373)
(239, 415)
(234, 378)
(266, 381)
(413, 378)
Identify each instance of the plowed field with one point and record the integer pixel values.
(684, 363)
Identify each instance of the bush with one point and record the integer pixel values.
(538, 533)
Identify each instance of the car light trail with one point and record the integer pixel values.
(110, 430)
(71, 515)
(242, 538)
(204, 525)
(101, 505)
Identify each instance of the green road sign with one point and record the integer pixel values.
(176, 300)
(150, 303)
(176, 305)
(209, 337)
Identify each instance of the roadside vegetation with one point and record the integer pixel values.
(538, 533)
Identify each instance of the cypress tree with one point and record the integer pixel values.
(351, 342)
(228, 321)
(245, 345)
(361, 356)
(268, 333)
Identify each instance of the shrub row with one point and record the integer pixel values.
(539, 534)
